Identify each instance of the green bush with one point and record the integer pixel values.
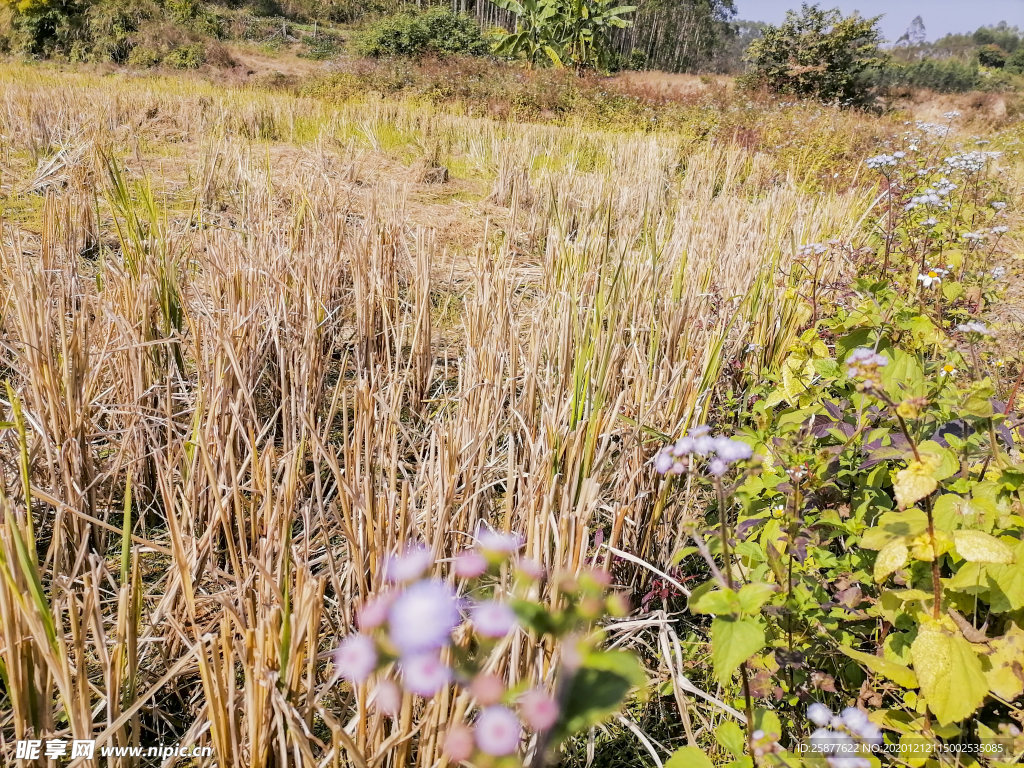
(1015, 64)
(818, 53)
(437, 31)
(143, 57)
(323, 47)
(186, 57)
(992, 56)
(949, 76)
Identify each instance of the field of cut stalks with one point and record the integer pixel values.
(251, 349)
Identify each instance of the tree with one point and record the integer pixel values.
(572, 33)
(915, 34)
(818, 53)
(992, 56)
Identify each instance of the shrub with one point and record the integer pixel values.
(320, 48)
(992, 56)
(944, 76)
(186, 57)
(437, 31)
(1015, 64)
(143, 57)
(818, 53)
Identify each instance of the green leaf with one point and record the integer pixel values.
(753, 596)
(598, 689)
(766, 720)
(980, 547)
(731, 737)
(689, 757)
(898, 673)
(722, 602)
(951, 675)
(1004, 673)
(948, 462)
(979, 400)
(893, 556)
(734, 641)
(916, 481)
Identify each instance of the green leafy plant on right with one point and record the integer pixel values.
(819, 54)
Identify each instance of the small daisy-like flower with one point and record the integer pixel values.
(493, 619)
(930, 278)
(498, 731)
(356, 658)
(538, 709)
(947, 370)
(424, 674)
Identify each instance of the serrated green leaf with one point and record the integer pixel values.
(891, 558)
(952, 679)
(753, 596)
(898, 673)
(731, 737)
(722, 602)
(733, 641)
(980, 547)
(689, 757)
(916, 481)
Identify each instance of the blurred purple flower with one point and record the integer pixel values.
(493, 619)
(374, 612)
(408, 566)
(422, 618)
(538, 709)
(498, 731)
(424, 674)
(470, 565)
(498, 543)
(730, 450)
(356, 658)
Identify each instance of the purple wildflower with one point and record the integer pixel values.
(356, 658)
(424, 674)
(493, 619)
(423, 617)
(498, 731)
(408, 566)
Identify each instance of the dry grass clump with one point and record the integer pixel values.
(241, 373)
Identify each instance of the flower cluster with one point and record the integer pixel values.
(864, 363)
(932, 129)
(970, 162)
(721, 452)
(880, 162)
(812, 249)
(838, 735)
(999, 205)
(413, 639)
(974, 327)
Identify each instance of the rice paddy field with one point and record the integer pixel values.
(254, 343)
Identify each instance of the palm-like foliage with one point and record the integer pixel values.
(569, 32)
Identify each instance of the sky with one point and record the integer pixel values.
(940, 16)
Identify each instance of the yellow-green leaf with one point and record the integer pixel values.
(916, 481)
(893, 556)
(980, 547)
(952, 679)
(734, 641)
(896, 672)
(1006, 673)
(689, 757)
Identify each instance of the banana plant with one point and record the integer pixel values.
(569, 32)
